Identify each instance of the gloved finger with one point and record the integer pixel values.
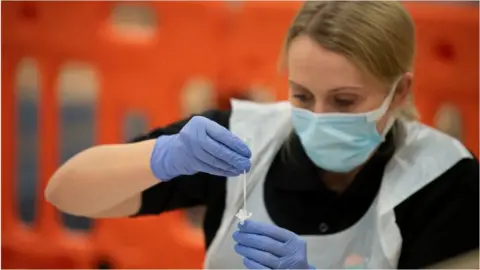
(261, 257)
(260, 242)
(216, 162)
(226, 154)
(227, 138)
(207, 168)
(249, 264)
(270, 230)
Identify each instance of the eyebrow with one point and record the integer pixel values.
(299, 86)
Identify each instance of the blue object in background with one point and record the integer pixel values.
(77, 133)
(27, 148)
(134, 124)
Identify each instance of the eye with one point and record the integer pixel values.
(301, 97)
(343, 102)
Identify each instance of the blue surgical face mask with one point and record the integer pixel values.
(340, 142)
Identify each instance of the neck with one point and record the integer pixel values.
(338, 182)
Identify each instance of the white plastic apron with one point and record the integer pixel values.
(374, 241)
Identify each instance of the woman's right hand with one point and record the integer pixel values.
(201, 146)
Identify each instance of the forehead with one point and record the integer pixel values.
(310, 64)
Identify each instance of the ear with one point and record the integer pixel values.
(404, 87)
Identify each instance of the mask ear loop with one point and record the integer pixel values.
(377, 114)
(388, 126)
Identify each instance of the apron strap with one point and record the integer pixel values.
(421, 157)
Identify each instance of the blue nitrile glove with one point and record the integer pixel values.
(266, 246)
(201, 146)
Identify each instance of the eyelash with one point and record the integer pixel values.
(338, 102)
(300, 97)
(343, 103)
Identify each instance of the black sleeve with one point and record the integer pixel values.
(441, 221)
(182, 191)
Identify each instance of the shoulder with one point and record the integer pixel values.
(422, 155)
(251, 106)
(262, 123)
(248, 111)
(441, 158)
(415, 135)
(221, 117)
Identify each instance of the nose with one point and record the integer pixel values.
(318, 107)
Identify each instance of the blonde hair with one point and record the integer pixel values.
(377, 36)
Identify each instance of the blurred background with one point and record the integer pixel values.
(76, 74)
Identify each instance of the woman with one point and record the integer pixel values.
(340, 176)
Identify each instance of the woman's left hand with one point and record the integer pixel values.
(266, 246)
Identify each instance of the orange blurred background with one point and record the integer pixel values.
(75, 74)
